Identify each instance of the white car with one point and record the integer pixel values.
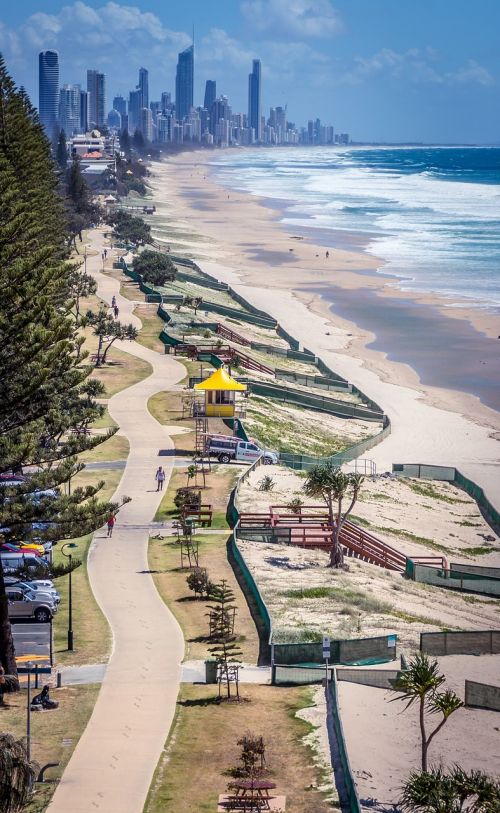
(227, 448)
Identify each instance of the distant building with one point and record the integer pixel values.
(48, 89)
(254, 100)
(164, 128)
(120, 104)
(220, 111)
(114, 120)
(166, 102)
(146, 124)
(70, 110)
(84, 111)
(210, 94)
(96, 88)
(184, 83)
(134, 110)
(143, 87)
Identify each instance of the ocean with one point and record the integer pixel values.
(432, 214)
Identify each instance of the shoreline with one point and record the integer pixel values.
(237, 237)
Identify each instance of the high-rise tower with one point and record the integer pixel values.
(48, 89)
(70, 110)
(210, 94)
(254, 90)
(96, 88)
(184, 83)
(143, 86)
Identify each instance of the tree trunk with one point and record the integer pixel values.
(336, 552)
(423, 735)
(7, 654)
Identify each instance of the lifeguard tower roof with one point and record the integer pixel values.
(220, 381)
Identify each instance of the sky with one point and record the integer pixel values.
(381, 70)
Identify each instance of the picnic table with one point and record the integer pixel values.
(252, 794)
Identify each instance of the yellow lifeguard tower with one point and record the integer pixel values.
(220, 394)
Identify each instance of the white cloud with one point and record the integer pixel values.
(473, 72)
(414, 65)
(302, 18)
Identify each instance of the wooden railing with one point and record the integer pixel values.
(231, 335)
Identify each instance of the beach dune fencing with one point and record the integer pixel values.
(461, 642)
(464, 578)
(482, 695)
(452, 475)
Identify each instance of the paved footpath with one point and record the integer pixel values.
(112, 766)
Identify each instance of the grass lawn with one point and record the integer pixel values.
(91, 632)
(170, 580)
(116, 448)
(203, 744)
(121, 370)
(219, 484)
(128, 287)
(54, 733)
(152, 326)
(166, 408)
(105, 422)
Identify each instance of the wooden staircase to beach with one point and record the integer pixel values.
(309, 527)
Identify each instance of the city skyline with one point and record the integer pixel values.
(384, 73)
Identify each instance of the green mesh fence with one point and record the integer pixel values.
(350, 785)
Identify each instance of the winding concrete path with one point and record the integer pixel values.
(112, 766)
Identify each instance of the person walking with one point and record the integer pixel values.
(111, 524)
(116, 311)
(113, 301)
(160, 478)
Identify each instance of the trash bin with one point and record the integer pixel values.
(211, 671)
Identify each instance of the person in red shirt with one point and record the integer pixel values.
(110, 523)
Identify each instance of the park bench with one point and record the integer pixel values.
(201, 514)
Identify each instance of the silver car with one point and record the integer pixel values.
(22, 605)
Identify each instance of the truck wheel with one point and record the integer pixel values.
(267, 461)
(42, 615)
(224, 458)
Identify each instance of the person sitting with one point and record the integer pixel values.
(43, 701)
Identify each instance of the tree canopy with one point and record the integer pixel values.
(130, 229)
(45, 392)
(154, 267)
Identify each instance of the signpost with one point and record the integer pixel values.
(326, 654)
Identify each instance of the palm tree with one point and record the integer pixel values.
(328, 482)
(420, 684)
(438, 792)
(17, 774)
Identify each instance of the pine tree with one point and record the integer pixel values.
(45, 394)
(62, 151)
(222, 614)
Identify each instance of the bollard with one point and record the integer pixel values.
(59, 680)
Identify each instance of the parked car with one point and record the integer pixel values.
(24, 606)
(48, 584)
(36, 589)
(13, 561)
(227, 448)
(23, 547)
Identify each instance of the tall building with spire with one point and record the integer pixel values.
(96, 88)
(254, 103)
(48, 89)
(184, 83)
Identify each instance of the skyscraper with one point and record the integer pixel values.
(84, 110)
(48, 89)
(143, 87)
(96, 88)
(120, 104)
(70, 110)
(134, 110)
(184, 83)
(210, 94)
(254, 89)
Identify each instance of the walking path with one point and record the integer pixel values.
(113, 764)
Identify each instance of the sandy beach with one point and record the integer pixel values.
(238, 238)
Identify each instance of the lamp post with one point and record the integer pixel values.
(71, 546)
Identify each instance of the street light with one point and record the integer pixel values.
(71, 546)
